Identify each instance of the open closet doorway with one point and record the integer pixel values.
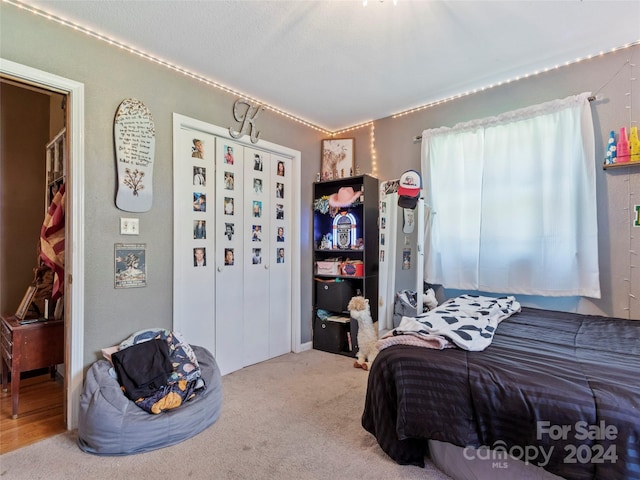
(19, 79)
(33, 171)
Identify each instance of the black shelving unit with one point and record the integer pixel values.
(355, 230)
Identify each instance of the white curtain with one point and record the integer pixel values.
(513, 202)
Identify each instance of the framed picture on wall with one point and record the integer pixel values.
(130, 265)
(338, 155)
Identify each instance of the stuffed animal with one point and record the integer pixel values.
(429, 300)
(367, 335)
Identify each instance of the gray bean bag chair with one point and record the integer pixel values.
(111, 424)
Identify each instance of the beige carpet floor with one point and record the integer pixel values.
(293, 417)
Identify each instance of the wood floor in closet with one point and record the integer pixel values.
(40, 412)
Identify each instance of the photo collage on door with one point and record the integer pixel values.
(229, 207)
(280, 191)
(260, 201)
(199, 166)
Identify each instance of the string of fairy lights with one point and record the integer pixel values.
(162, 62)
(281, 112)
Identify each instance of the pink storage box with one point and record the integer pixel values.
(327, 267)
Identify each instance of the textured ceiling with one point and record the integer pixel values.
(337, 64)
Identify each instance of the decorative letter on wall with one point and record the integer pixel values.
(134, 135)
(247, 118)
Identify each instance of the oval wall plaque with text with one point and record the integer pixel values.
(134, 135)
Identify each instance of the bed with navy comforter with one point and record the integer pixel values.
(561, 389)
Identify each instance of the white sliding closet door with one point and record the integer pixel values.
(257, 234)
(194, 220)
(280, 255)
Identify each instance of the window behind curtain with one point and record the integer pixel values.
(513, 202)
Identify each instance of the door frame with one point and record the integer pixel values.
(74, 230)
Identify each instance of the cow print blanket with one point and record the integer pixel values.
(468, 321)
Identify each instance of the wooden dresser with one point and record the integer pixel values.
(29, 347)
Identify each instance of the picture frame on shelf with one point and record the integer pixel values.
(338, 155)
(23, 308)
(59, 310)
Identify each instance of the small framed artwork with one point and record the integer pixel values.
(59, 310)
(406, 259)
(130, 265)
(23, 308)
(338, 155)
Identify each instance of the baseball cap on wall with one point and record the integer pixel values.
(409, 189)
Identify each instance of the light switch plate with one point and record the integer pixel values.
(129, 226)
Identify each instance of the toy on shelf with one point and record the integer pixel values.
(634, 145)
(610, 158)
(622, 147)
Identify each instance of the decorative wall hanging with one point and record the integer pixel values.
(406, 258)
(130, 265)
(337, 158)
(134, 135)
(248, 118)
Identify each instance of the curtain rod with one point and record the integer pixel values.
(592, 98)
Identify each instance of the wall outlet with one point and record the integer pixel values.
(129, 226)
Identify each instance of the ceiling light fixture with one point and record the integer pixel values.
(366, 2)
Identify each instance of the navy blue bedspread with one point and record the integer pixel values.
(563, 387)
